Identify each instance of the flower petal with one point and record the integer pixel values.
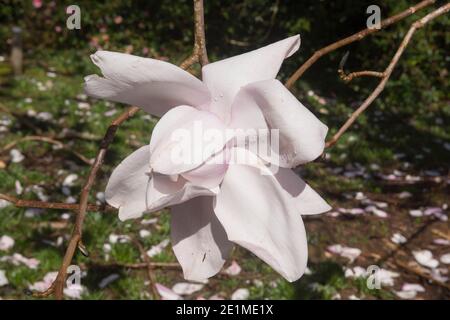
(154, 85)
(211, 173)
(184, 139)
(301, 134)
(164, 191)
(134, 192)
(199, 240)
(128, 185)
(224, 78)
(260, 216)
(306, 199)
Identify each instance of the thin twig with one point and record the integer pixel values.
(199, 53)
(388, 72)
(150, 271)
(54, 205)
(144, 265)
(57, 143)
(355, 37)
(366, 73)
(140, 265)
(76, 237)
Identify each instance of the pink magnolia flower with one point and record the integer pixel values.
(216, 204)
(37, 3)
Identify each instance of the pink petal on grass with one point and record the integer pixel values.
(166, 293)
(234, 269)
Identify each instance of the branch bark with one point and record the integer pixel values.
(353, 38)
(388, 72)
(199, 53)
(54, 205)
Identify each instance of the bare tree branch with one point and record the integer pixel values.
(54, 205)
(387, 73)
(199, 53)
(366, 73)
(149, 267)
(355, 37)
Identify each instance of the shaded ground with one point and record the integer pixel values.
(380, 159)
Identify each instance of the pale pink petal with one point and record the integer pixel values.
(199, 240)
(156, 86)
(225, 77)
(186, 288)
(301, 134)
(128, 184)
(234, 269)
(166, 293)
(134, 192)
(306, 199)
(211, 173)
(258, 214)
(184, 139)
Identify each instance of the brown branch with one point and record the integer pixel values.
(48, 140)
(149, 268)
(54, 205)
(388, 72)
(145, 265)
(199, 53)
(76, 238)
(366, 73)
(140, 265)
(355, 37)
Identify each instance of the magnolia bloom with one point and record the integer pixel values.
(216, 204)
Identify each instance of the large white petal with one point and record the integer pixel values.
(258, 214)
(128, 185)
(225, 77)
(211, 173)
(156, 86)
(306, 199)
(198, 239)
(301, 134)
(165, 191)
(184, 139)
(134, 192)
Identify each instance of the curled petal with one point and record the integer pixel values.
(156, 86)
(261, 216)
(134, 192)
(211, 173)
(165, 191)
(224, 78)
(199, 240)
(184, 139)
(297, 136)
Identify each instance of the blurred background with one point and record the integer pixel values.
(387, 178)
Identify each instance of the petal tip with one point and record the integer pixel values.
(296, 41)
